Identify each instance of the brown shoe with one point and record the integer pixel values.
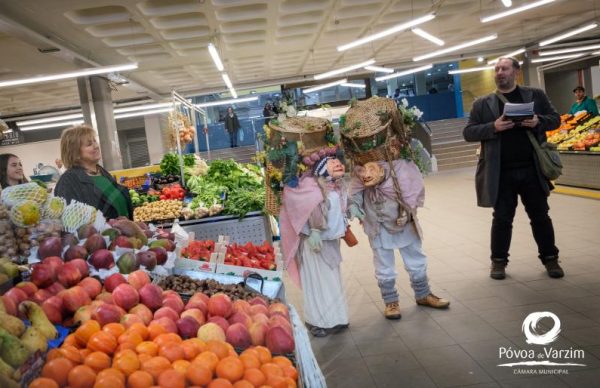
(392, 311)
(433, 301)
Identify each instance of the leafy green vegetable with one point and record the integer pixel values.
(169, 165)
(241, 202)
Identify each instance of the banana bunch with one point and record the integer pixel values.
(18, 343)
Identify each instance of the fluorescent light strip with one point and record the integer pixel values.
(379, 69)
(350, 85)
(507, 3)
(470, 70)
(233, 93)
(212, 50)
(511, 54)
(346, 69)
(51, 125)
(227, 80)
(428, 36)
(144, 107)
(50, 119)
(557, 58)
(456, 48)
(73, 74)
(569, 50)
(568, 34)
(225, 102)
(405, 72)
(384, 33)
(515, 10)
(143, 113)
(325, 86)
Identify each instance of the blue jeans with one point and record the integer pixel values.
(514, 183)
(415, 263)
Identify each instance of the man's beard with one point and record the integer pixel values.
(504, 83)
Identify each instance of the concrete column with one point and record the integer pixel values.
(420, 83)
(96, 105)
(154, 138)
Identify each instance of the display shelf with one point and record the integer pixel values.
(580, 169)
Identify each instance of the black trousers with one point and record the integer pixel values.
(233, 138)
(522, 182)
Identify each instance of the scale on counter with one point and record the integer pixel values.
(45, 173)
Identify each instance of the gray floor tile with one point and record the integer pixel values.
(349, 373)
(487, 349)
(441, 355)
(458, 374)
(467, 328)
(382, 346)
(391, 362)
(585, 378)
(535, 382)
(412, 378)
(377, 330)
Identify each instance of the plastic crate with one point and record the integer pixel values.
(253, 228)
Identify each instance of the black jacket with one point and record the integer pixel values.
(76, 184)
(232, 124)
(480, 127)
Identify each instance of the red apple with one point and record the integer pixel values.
(55, 288)
(68, 275)
(197, 304)
(55, 301)
(54, 261)
(143, 312)
(82, 266)
(238, 336)
(92, 286)
(196, 314)
(173, 302)
(240, 317)
(83, 314)
(17, 295)
(166, 312)
(187, 327)
(125, 296)
(43, 275)
(9, 305)
(113, 281)
(129, 319)
(105, 297)
(241, 305)
(258, 331)
(41, 296)
(220, 304)
(220, 321)
(107, 313)
(52, 313)
(29, 288)
(74, 297)
(138, 279)
(151, 296)
(169, 325)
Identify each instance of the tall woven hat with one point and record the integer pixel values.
(312, 132)
(373, 130)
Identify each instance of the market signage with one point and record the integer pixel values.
(12, 138)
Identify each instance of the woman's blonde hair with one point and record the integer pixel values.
(71, 141)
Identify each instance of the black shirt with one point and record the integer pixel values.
(515, 147)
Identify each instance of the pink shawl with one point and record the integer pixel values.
(297, 205)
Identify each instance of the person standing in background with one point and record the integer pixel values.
(11, 170)
(583, 102)
(508, 168)
(232, 125)
(268, 112)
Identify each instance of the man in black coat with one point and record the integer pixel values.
(232, 125)
(508, 167)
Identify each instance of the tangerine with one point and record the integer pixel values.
(230, 368)
(276, 381)
(127, 362)
(264, 354)
(243, 384)
(201, 345)
(130, 336)
(139, 328)
(98, 361)
(282, 361)
(251, 351)
(255, 376)
(181, 366)
(102, 341)
(84, 353)
(140, 379)
(57, 370)
(109, 381)
(43, 382)
(125, 346)
(116, 329)
(198, 374)
(71, 353)
(291, 372)
(147, 347)
(54, 353)
(82, 376)
(144, 357)
(156, 365)
(172, 351)
(171, 379)
(270, 369)
(155, 329)
(249, 360)
(85, 331)
(218, 347)
(220, 383)
(208, 359)
(72, 340)
(162, 339)
(190, 349)
(111, 372)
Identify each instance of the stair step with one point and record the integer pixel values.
(239, 154)
(446, 167)
(449, 137)
(456, 154)
(454, 146)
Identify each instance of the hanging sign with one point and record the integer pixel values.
(12, 138)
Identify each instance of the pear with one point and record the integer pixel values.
(7, 382)
(38, 319)
(34, 340)
(5, 369)
(13, 351)
(13, 325)
(10, 269)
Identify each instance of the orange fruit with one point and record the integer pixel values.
(218, 347)
(270, 369)
(156, 365)
(125, 346)
(109, 381)
(84, 353)
(130, 336)
(57, 370)
(139, 328)
(172, 351)
(82, 376)
(144, 357)
(208, 359)
(171, 379)
(276, 381)
(243, 384)
(127, 362)
(98, 361)
(71, 353)
(43, 382)
(201, 345)
(282, 361)
(231, 349)
(198, 374)
(220, 383)
(140, 379)
(147, 347)
(290, 383)
(54, 353)
(181, 366)
(162, 339)
(85, 331)
(251, 351)
(230, 368)
(154, 330)
(249, 360)
(190, 349)
(255, 376)
(72, 340)
(291, 372)
(114, 372)
(116, 329)
(264, 354)
(102, 341)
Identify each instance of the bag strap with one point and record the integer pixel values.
(532, 138)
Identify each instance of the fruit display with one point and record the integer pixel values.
(24, 192)
(188, 286)
(160, 210)
(174, 191)
(581, 137)
(252, 256)
(199, 250)
(8, 243)
(141, 199)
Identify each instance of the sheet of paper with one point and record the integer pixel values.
(512, 110)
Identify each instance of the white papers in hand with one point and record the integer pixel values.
(518, 110)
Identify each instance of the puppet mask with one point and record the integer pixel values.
(371, 174)
(335, 169)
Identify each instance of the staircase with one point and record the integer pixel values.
(243, 154)
(448, 145)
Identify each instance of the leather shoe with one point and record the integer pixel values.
(498, 270)
(392, 311)
(433, 301)
(554, 269)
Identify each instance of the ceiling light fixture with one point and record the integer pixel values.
(233, 92)
(346, 69)
(470, 70)
(389, 31)
(428, 36)
(507, 3)
(227, 80)
(325, 86)
(569, 50)
(351, 85)
(143, 113)
(404, 72)
(50, 119)
(379, 69)
(226, 102)
(568, 34)
(557, 58)
(511, 54)
(212, 50)
(72, 74)
(480, 59)
(455, 48)
(513, 11)
(144, 107)
(51, 125)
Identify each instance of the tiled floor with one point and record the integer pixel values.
(460, 347)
